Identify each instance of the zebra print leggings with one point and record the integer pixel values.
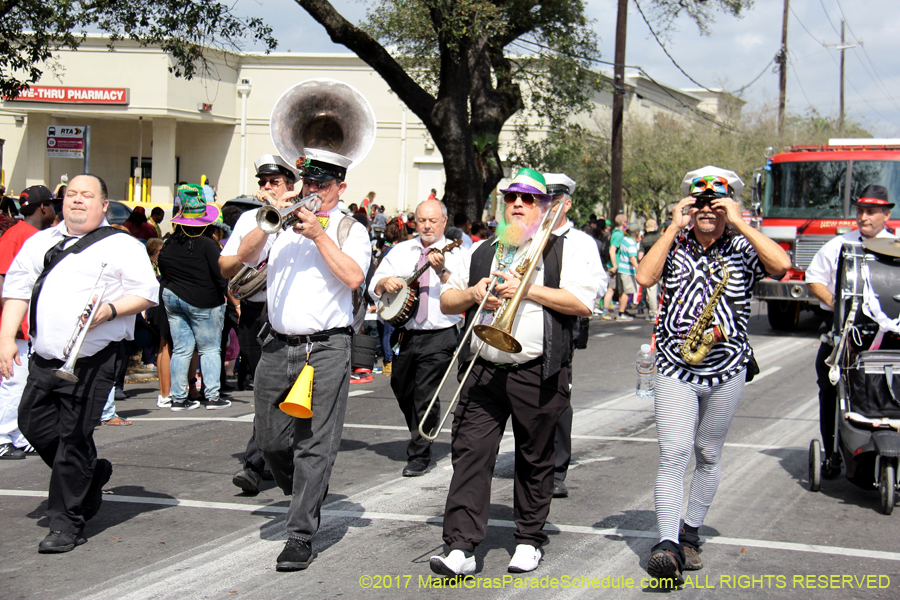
(687, 415)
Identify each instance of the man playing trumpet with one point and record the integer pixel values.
(56, 415)
(531, 386)
(313, 269)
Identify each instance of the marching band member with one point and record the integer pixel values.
(276, 178)
(53, 275)
(708, 275)
(312, 273)
(429, 337)
(532, 386)
(561, 187)
(873, 209)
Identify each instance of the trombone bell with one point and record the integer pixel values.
(498, 336)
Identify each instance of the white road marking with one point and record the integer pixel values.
(360, 392)
(764, 374)
(588, 461)
(603, 334)
(409, 518)
(631, 328)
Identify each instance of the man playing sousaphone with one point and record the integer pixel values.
(702, 353)
(531, 386)
(313, 269)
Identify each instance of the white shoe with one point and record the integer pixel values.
(525, 559)
(162, 402)
(458, 562)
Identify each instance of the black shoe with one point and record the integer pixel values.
(296, 556)
(415, 468)
(559, 489)
(247, 480)
(664, 565)
(831, 466)
(10, 452)
(102, 473)
(267, 475)
(60, 541)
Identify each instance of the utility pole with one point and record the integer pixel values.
(618, 113)
(841, 118)
(782, 70)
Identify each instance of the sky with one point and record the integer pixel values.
(734, 54)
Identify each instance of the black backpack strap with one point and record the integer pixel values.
(85, 241)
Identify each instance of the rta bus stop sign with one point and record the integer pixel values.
(65, 141)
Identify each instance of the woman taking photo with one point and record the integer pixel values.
(193, 292)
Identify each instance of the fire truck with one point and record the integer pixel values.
(802, 199)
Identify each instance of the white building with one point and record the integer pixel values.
(218, 124)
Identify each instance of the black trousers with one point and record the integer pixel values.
(424, 358)
(827, 399)
(248, 327)
(490, 396)
(58, 418)
(563, 444)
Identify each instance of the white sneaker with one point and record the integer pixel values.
(525, 559)
(162, 402)
(458, 562)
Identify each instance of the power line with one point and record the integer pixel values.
(661, 45)
(808, 32)
(755, 79)
(828, 17)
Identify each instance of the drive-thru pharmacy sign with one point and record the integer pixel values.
(65, 141)
(74, 95)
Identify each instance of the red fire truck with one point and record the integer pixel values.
(801, 199)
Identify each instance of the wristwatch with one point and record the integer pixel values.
(115, 313)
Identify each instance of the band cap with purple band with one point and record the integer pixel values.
(529, 181)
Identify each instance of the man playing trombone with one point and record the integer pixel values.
(314, 266)
(531, 386)
(52, 275)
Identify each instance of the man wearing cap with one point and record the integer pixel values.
(531, 386)
(312, 271)
(873, 209)
(701, 367)
(54, 275)
(561, 187)
(276, 180)
(429, 338)
(36, 206)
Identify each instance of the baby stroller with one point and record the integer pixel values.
(865, 368)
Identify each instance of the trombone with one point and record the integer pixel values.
(73, 346)
(497, 334)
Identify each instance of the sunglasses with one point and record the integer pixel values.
(709, 185)
(275, 182)
(528, 199)
(319, 185)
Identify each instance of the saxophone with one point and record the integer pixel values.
(697, 345)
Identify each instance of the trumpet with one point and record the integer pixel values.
(73, 346)
(272, 220)
(498, 333)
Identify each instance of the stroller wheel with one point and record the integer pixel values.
(886, 484)
(815, 465)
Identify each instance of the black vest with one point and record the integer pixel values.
(558, 328)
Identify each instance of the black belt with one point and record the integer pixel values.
(254, 304)
(534, 362)
(421, 331)
(297, 340)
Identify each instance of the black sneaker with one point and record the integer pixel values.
(664, 565)
(247, 480)
(217, 404)
(559, 489)
(185, 405)
(10, 452)
(60, 541)
(416, 468)
(102, 473)
(296, 556)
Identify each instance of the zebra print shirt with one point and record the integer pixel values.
(690, 276)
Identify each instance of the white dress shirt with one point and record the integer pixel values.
(528, 326)
(587, 247)
(402, 261)
(67, 288)
(303, 295)
(823, 268)
(245, 224)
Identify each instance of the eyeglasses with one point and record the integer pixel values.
(319, 185)
(528, 199)
(274, 182)
(709, 184)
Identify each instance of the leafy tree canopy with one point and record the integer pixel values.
(32, 30)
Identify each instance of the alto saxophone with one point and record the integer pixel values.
(697, 344)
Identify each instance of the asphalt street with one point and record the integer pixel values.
(172, 525)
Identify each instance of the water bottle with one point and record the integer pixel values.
(646, 365)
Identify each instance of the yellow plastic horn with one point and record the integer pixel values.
(299, 400)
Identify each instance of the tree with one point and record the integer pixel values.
(32, 30)
(465, 67)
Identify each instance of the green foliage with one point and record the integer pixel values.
(32, 30)
(657, 155)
